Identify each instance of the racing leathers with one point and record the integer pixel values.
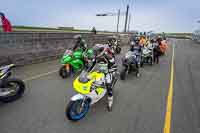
(138, 50)
(107, 55)
(80, 43)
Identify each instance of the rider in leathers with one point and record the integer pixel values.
(106, 53)
(80, 43)
(137, 48)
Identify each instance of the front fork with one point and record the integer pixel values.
(67, 67)
(82, 104)
(80, 97)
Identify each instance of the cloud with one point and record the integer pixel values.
(169, 15)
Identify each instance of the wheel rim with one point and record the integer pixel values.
(11, 89)
(64, 72)
(77, 112)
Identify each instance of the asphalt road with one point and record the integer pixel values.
(139, 103)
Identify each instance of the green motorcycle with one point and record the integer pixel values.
(73, 62)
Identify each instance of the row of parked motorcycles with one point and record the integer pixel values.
(90, 84)
(132, 61)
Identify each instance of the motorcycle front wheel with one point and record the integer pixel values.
(76, 110)
(11, 90)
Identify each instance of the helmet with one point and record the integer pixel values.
(97, 49)
(110, 40)
(90, 53)
(78, 36)
(142, 36)
(159, 39)
(136, 40)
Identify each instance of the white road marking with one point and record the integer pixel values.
(39, 76)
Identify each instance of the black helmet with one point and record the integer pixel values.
(159, 39)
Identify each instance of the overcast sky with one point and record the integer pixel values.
(157, 15)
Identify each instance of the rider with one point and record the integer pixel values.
(111, 42)
(142, 41)
(80, 43)
(159, 49)
(137, 48)
(162, 45)
(104, 52)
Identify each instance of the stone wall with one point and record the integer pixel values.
(31, 47)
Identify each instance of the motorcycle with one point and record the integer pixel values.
(91, 87)
(11, 89)
(116, 47)
(147, 56)
(72, 62)
(130, 64)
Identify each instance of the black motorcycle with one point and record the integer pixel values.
(11, 89)
(130, 64)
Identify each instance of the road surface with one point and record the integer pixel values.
(139, 104)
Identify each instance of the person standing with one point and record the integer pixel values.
(6, 25)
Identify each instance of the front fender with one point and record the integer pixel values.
(77, 97)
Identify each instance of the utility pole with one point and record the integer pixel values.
(129, 22)
(126, 19)
(118, 14)
(118, 17)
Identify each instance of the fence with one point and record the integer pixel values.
(196, 36)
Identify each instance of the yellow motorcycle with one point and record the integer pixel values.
(91, 88)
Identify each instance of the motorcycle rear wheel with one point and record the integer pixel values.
(118, 50)
(123, 74)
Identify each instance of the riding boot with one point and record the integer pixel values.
(110, 96)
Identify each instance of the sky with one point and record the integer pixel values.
(156, 15)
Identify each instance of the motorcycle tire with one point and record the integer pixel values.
(17, 94)
(137, 74)
(118, 50)
(123, 74)
(151, 61)
(63, 72)
(71, 112)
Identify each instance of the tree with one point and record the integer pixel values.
(94, 30)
